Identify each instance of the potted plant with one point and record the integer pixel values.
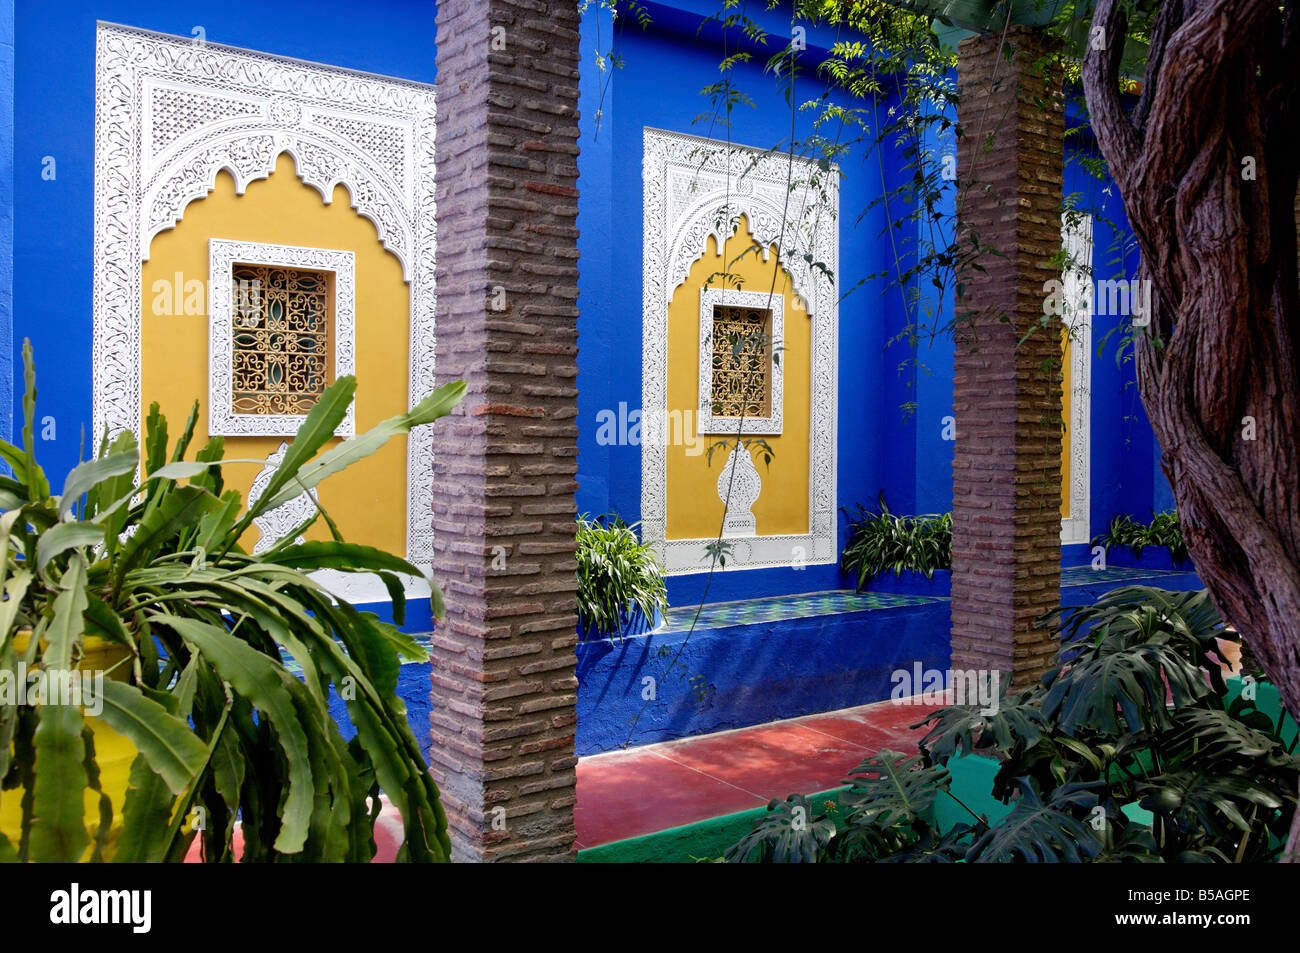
(621, 589)
(916, 550)
(1155, 545)
(200, 718)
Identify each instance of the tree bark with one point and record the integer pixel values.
(1217, 365)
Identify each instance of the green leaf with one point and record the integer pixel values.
(85, 476)
(436, 405)
(59, 539)
(166, 742)
(58, 815)
(146, 814)
(351, 557)
(316, 431)
(67, 624)
(270, 688)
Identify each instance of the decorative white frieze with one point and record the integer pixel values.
(170, 114)
(1077, 287)
(696, 188)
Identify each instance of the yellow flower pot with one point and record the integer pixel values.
(114, 753)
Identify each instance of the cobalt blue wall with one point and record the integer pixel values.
(666, 67)
(6, 208)
(54, 116)
(891, 409)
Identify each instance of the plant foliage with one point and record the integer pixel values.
(1128, 750)
(1127, 533)
(223, 726)
(882, 542)
(617, 573)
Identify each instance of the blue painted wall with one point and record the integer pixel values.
(53, 110)
(882, 445)
(666, 67)
(891, 407)
(6, 209)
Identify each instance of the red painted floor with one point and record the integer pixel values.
(642, 790)
(628, 793)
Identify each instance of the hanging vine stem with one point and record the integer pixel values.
(919, 68)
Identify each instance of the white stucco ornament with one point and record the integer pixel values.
(739, 486)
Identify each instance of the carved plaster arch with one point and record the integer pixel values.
(249, 154)
(693, 188)
(171, 113)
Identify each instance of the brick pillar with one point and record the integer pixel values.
(1006, 394)
(504, 690)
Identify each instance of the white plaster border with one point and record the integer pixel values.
(694, 188)
(711, 298)
(1077, 283)
(171, 113)
(223, 254)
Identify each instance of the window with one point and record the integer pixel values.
(281, 330)
(742, 364)
(281, 326)
(740, 331)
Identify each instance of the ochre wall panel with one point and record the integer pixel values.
(694, 507)
(368, 501)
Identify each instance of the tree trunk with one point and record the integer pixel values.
(1208, 166)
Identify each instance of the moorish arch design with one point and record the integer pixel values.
(171, 114)
(697, 188)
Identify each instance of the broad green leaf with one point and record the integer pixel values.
(146, 814)
(353, 557)
(67, 624)
(317, 430)
(166, 742)
(14, 589)
(436, 405)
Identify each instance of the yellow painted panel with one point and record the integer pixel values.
(694, 508)
(368, 501)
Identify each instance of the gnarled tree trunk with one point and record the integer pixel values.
(1208, 166)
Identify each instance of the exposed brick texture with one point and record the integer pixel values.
(503, 660)
(1007, 392)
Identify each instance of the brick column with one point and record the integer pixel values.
(1006, 394)
(504, 690)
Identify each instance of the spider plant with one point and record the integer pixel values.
(222, 726)
(617, 573)
(882, 542)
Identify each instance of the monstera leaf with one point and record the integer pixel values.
(1036, 832)
(792, 832)
(966, 729)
